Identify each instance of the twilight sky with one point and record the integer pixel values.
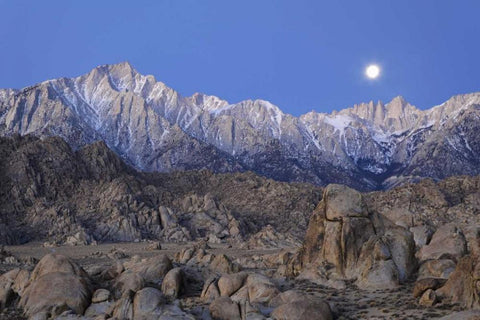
(300, 55)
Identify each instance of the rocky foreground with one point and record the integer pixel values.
(355, 262)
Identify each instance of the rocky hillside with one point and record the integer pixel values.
(152, 127)
(50, 192)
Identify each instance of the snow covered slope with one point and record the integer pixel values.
(154, 128)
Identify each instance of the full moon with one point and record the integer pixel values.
(372, 71)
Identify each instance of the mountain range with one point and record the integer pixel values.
(153, 128)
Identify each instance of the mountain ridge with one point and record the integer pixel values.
(154, 128)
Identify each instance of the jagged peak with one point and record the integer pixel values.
(123, 76)
(124, 65)
(398, 99)
(399, 102)
(207, 102)
(260, 103)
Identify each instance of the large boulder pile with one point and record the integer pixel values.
(345, 240)
(254, 296)
(449, 267)
(58, 288)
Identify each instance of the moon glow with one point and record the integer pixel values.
(372, 71)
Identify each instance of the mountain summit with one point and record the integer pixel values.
(154, 128)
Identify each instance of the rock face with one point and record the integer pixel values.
(172, 284)
(463, 285)
(223, 308)
(372, 145)
(346, 241)
(447, 242)
(147, 302)
(50, 192)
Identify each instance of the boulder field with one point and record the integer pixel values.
(356, 261)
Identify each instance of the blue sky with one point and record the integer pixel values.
(300, 55)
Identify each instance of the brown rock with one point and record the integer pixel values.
(123, 308)
(303, 310)
(6, 293)
(428, 299)
(128, 281)
(378, 270)
(260, 288)
(156, 245)
(223, 308)
(401, 244)
(441, 268)
(184, 255)
(21, 281)
(448, 242)
(146, 303)
(57, 284)
(230, 283)
(13, 281)
(53, 262)
(344, 202)
(421, 235)
(210, 290)
(380, 275)
(472, 235)
(152, 269)
(463, 285)
(287, 297)
(223, 264)
(101, 295)
(345, 241)
(112, 272)
(56, 291)
(241, 296)
(99, 309)
(427, 283)
(172, 283)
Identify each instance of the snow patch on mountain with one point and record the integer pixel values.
(339, 122)
(156, 128)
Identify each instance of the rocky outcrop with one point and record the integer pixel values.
(447, 242)
(463, 285)
(345, 240)
(425, 284)
(56, 284)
